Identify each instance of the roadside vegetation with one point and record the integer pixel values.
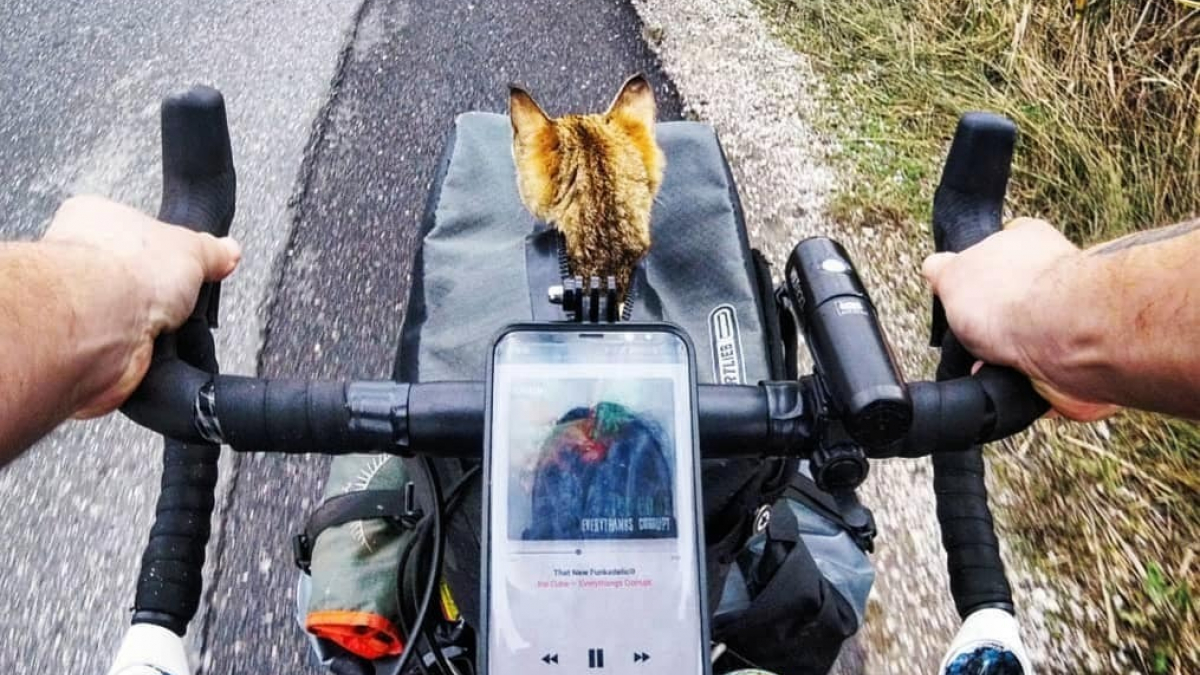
(1106, 95)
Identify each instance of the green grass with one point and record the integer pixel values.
(1106, 96)
(1108, 103)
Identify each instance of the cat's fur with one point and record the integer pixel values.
(594, 177)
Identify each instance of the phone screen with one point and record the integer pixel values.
(593, 561)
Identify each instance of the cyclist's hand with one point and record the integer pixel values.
(154, 272)
(990, 292)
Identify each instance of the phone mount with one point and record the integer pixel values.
(596, 302)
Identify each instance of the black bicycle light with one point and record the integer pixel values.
(851, 353)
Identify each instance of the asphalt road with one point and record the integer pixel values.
(80, 82)
(340, 302)
(352, 138)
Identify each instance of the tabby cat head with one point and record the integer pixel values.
(594, 177)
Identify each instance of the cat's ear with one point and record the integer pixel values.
(527, 116)
(635, 100)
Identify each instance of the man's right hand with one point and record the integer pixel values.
(79, 311)
(992, 293)
(151, 274)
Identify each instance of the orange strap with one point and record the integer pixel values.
(368, 635)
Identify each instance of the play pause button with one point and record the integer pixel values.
(640, 657)
(595, 658)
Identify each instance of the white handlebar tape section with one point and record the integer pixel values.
(989, 627)
(150, 650)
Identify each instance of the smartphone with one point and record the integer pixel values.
(594, 542)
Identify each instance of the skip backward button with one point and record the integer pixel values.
(639, 657)
(550, 658)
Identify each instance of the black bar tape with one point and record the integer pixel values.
(165, 401)
(977, 576)
(446, 419)
(290, 416)
(171, 581)
(948, 416)
(1015, 403)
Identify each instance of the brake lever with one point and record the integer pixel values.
(199, 181)
(968, 208)
(968, 205)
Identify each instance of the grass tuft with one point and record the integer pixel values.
(1116, 509)
(1107, 99)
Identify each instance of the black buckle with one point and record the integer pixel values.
(864, 535)
(302, 552)
(412, 512)
(597, 301)
(352, 506)
(857, 519)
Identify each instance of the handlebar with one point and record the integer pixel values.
(184, 397)
(967, 208)
(199, 188)
(446, 419)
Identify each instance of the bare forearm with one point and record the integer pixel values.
(1128, 318)
(62, 322)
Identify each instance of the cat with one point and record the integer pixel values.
(593, 177)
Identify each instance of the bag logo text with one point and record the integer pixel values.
(727, 345)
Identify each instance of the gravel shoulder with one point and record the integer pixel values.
(761, 96)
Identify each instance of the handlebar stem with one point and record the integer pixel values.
(379, 413)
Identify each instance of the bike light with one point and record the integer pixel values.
(852, 356)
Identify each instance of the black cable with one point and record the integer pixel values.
(431, 642)
(428, 631)
(456, 493)
(435, 566)
(453, 500)
(401, 601)
(454, 497)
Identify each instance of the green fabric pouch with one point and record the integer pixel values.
(354, 564)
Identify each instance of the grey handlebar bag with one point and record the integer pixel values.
(485, 263)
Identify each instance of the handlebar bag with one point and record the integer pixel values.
(484, 262)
